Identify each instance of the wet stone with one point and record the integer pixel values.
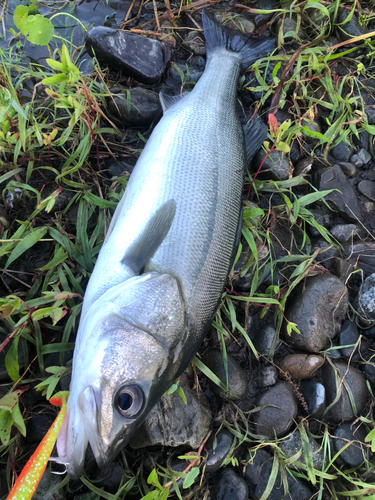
(345, 202)
(265, 339)
(368, 189)
(231, 486)
(348, 168)
(370, 374)
(218, 447)
(370, 113)
(266, 376)
(277, 419)
(342, 410)
(349, 335)
(363, 156)
(351, 27)
(136, 108)
(314, 394)
(318, 307)
(356, 452)
(195, 43)
(288, 24)
(362, 256)
(137, 56)
(342, 151)
(236, 23)
(173, 423)
(275, 166)
(344, 232)
(237, 381)
(293, 444)
(301, 366)
(366, 297)
(343, 269)
(303, 167)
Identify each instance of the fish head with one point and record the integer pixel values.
(129, 352)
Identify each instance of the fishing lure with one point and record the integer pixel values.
(31, 474)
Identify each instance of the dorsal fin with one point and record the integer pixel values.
(167, 101)
(255, 132)
(156, 229)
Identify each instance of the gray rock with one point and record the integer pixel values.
(367, 188)
(218, 446)
(357, 451)
(364, 156)
(343, 269)
(231, 486)
(266, 376)
(342, 151)
(257, 475)
(277, 418)
(344, 200)
(370, 374)
(328, 253)
(348, 168)
(351, 27)
(349, 335)
(303, 167)
(342, 411)
(236, 22)
(322, 218)
(301, 366)
(318, 307)
(275, 166)
(137, 56)
(314, 394)
(172, 423)
(288, 24)
(195, 43)
(362, 256)
(366, 298)
(136, 108)
(344, 232)
(237, 381)
(265, 340)
(293, 444)
(46, 488)
(370, 113)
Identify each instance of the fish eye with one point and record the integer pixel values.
(129, 400)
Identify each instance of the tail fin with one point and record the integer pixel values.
(250, 49)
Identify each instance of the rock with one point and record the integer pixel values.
(275, 166)
(173, 423)
(215, 456)
(195, 43)
(135, 108)
(318, 307)
(349, 335)
(288, 25)
(46, 489)
(231, 487)
(342, 151)
(302, 366)
(110, 477)
(370, 113)
(322, 218)
(142, 58)
(351, 27)
(237, 381)
(362, 256)
(342, 410)
(344, 200)
(366, 298)
(344, 232)
(328, 253)
(314, 394)
(363, 157)
(303, 167)
(368, 189)
(293, 444)
(264, 341)
(370, 374)
(257, 475)
(343, 269)
(354, 454)
(348, 168)
(266, 376)
(236, 22)
(311, 128)
(276, 420)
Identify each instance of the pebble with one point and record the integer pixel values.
(351, 27)
(275, 166)
(293, 444)
(370, 113)
(370, 374)
(342, 410)
(236, 22)
(195, 43)
(301, 366)
(277, 419)
(230, 486)
(348, 168)
(314, 394)
(142, 58)
(266, 376)
(264, 341)
(354, 454)
(342, 151)
(288, 24)
(349, 335)
(318, 307)
(361, 158)
(344, 200)
(366, 298)
(368, 189)
(362, 256)
(328, 254)
(173, 423)
(303, 167)
(237, 381)
(344, 232)
(343, 269)
(218, 446)
(136, 108)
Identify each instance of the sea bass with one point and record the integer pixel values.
(161, 271)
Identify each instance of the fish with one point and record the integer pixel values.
(160, 273)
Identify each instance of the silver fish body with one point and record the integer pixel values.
(160, 273)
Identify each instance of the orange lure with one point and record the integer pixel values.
(31, 474)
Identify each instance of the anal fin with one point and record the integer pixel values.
(255, 132)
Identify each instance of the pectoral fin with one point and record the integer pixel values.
(153, 234)
(255, 132)
(167, 101)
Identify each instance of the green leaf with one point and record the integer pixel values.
(182, 394)
(11, 361)
(153, 479)
(58, 66)
(40, 29)
(18, 420)
(20, 15)
(190, 478)
(27, 242)
(6, 421)
(55, 80)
